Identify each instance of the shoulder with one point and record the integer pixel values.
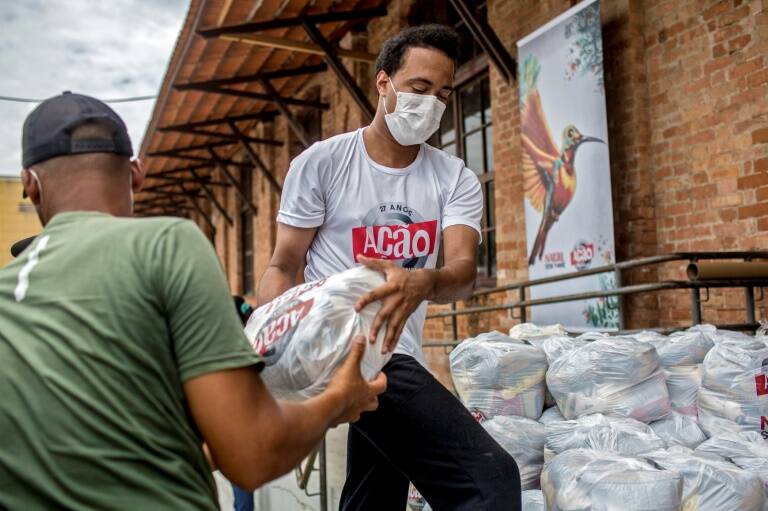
(450, 170)
(326, 151)
(153, 230)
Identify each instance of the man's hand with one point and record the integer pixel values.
(401, 295)
(358, 395)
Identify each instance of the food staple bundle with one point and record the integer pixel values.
(734, 388)
(617, 376)
(496, 375)
(586, 479)
(709, 484)
(679, 429)
(523, 439)
(306, 333)
(614, 434)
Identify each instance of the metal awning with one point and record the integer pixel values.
(237, 64)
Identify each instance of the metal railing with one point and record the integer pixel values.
(619, 291)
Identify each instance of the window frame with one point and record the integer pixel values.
(468, 75)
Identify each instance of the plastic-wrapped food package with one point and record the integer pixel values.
(523, 439)
(551, 414)
(586, 479)
(615, 375)
(721, 336)
(684, 348)
(557, 345)
(306, 333)
(613, 434)
(496, 375)
(746, 450)
(679, 429)
(734, 388)
(683, 383)
(709, 484)
(649, 336)
(533, 500)
(529, 331)
(592, 336)
(416, 502)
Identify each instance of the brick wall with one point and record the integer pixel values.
(687, 101)
(18, 218)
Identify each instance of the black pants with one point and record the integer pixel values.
(423, 434)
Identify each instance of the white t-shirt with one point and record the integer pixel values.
(363, 208)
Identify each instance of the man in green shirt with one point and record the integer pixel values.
(120, 351)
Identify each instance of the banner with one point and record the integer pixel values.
(565, 166)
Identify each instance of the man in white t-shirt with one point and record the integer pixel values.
(382, 197)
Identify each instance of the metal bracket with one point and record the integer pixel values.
(333, 61)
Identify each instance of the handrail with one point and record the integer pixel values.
(694, 286)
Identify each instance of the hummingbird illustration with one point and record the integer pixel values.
(549, 174)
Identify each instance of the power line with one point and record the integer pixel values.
(116, 100)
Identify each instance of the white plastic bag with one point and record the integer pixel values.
(683, 383)
(679, 429)
(586, 479)
(746, 450)
(551, 414)
(709, 484)
(306, 333)
(529, 331)
(523, 439)
(495, 375)
(615, 376)
(533, 500)
(416, 502)
(557, 345)
(684, 348)
(734, 388)
(618, 435)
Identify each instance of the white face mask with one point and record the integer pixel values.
(416, 117)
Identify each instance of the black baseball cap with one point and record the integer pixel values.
(48, 129)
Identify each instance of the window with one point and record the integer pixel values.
(246, 234)
(467, 126)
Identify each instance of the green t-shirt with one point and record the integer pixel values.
(101, 321)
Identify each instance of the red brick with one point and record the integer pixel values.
(762, 224)
(760, 136)
(753, 210)
(758, 78)
(746, 68)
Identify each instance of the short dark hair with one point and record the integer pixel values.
(440, 37)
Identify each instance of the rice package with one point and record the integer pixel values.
(683, 384)
(496, 375)
(523, 439)
(746, 450)
(306, 333)
(614, 434)
(734, 388)
(586, 479)
(679, 429)
(709, 484)
(617, 376)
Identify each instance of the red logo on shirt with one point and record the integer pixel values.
(395, 242)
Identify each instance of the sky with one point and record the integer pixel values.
(106, 49)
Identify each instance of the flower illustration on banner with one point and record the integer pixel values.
(586, 50)
(604, 312)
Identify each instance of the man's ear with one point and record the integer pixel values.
(382, 83)
(137, 173)
(30, 186)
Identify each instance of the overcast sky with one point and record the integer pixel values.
(107, 49)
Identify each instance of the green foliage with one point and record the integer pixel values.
(586, 51)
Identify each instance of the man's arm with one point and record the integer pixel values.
(291, 248)
(252, 438)
(405, 290)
